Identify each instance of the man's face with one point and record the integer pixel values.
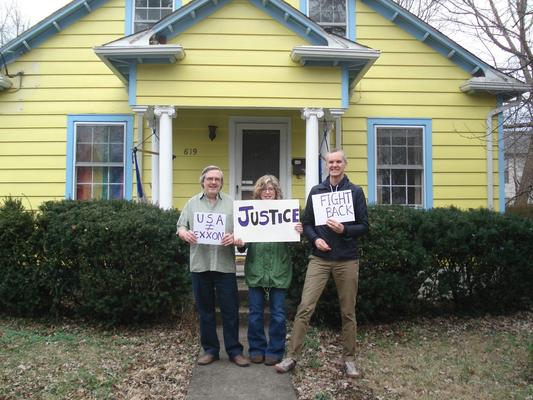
(336, 164)
(212, 183)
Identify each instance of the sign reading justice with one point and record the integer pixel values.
(266, 220)
(335, 205)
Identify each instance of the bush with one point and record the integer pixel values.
(23, 286)
(115, 261)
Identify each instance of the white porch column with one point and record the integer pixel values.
(337, 114)
(155, 161)
(311, 116)
(165, 115)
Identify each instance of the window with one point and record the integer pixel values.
(148, 12)
(98, 157)
(99, 170)
(400, 166)
(400, 161)
(330, 14)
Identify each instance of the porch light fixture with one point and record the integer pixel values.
(212, 132)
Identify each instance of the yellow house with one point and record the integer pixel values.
(124, 98)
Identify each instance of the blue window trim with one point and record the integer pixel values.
(114, 118)
(128, 20)
(345, 87)
(132, 85)
(350, 12)
(501, 159)
(428, 154)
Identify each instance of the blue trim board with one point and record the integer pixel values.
(71, 149)
(303, 7)
(345, 87)
(501, 159)
(132, 84)
(428, 154)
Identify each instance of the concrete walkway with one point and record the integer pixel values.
(223, 380)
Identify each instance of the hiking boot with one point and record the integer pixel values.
(285, 365)
(240, 360)
(271, 360)
(352, 371)
(207, 358)
(257, 359)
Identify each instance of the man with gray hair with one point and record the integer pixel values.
(213, 270)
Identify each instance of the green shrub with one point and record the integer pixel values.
(114, 261)
(23, 286)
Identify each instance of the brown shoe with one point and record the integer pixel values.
(271, 360)
(206, 359)
(257, 359)
(240, 360)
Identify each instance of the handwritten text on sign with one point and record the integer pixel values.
(266, 220)
(335, 205)
(209, 228)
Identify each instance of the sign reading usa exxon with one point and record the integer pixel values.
(266, 220)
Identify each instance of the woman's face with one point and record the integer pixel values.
(268, 192)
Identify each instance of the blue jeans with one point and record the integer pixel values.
(205, 286)
(277, 329)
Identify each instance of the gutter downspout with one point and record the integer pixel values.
(490, 168)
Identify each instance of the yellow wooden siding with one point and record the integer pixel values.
(62, 76)
(239, 57)
(410, 80)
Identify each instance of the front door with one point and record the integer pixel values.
(260, 149)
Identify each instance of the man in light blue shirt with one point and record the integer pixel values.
(213, 270)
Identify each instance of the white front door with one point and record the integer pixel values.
(259, 148)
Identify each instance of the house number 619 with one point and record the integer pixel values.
(190, 151)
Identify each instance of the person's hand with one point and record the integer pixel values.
(335, 226)
(187, 236)
(227, 239)
(298, 227)
(322, 245)
(239, 243)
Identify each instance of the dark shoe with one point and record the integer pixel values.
(240, 360)
(257, 359)
(285, 365)
(271, 360)
(206, 359)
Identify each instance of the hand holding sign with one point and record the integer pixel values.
(335, 205)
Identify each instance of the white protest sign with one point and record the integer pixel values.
(266, 220)
(335, 205)
(209, 228)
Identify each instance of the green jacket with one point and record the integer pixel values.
(268, 265)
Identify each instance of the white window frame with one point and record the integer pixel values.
(149, 22)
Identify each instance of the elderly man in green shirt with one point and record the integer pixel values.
(213, 270)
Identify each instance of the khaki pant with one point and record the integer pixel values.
(345, 274)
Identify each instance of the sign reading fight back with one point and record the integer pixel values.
(209, 228)
(335, 205)
(266, 220)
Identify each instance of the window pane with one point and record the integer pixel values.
(414, 155)
(101, 134)
(399, 138)
(100, 153)
(414, 137)
(84, 175)
(383, 195)
(83, 192)
(116, 175)
(166, 3)
(154, 3)
(398, 177)
(116, 192)
(83, 152)
(384, 176)
(414, 177)
(383, 138)
(398, 195)
(116, 134)
(399, 156)
(84, 133)
(99, 192)
(414, 195)
(154, 15)
(141, 3)
(384, 155)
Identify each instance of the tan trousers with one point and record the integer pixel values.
(346, 276)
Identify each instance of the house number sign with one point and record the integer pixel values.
(190, 151)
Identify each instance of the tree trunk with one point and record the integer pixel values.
(525, 189)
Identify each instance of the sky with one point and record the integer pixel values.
(37, 10)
